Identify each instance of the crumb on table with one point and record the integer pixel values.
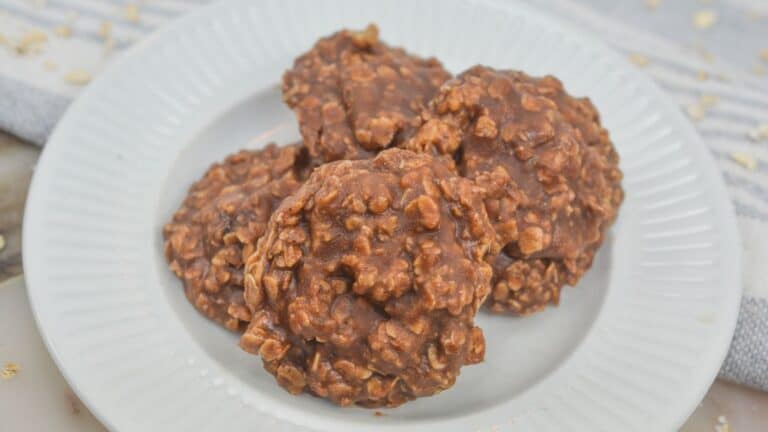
(9, 371)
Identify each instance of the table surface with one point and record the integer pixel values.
(39, 387)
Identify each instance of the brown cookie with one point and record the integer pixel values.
(225, 213)
(353, 95)
(550, 171)
(365, 286)
(525, 286)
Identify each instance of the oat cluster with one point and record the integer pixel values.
(549, 170)
(219, 222)
(367, 281)
(353, 95)
(354, 263)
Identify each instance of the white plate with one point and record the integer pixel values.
(633, 347)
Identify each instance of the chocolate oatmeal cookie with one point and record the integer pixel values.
(366, 283)
(549, 168)
(353, 95)
(223, 215)
(525, 286)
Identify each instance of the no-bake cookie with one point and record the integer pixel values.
(353, 95)
(366, 283)
(222, 217)
(549, 169)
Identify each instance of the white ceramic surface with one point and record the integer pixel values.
(633, 347)
(39, 386)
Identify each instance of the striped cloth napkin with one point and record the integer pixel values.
(707, 56)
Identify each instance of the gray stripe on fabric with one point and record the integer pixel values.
(760, 167)
(151, 8)
(749, 211)
(740, 138)
(84, 11)
(39, 20)
(747, 185)
(29, 112)
(747, 360)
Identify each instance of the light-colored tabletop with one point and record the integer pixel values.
(30, 383)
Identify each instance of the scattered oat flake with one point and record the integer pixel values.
(758, 133)
(77, 77)
(639, 59)
(131, 12)
(652, 4)
(378, 413)
(2, 242)
(764, 54)
(63, 31)
(695, 111)
(708, 100)
(105, 30)
(722, 425)
(49, 65)
(759, 70)
(32, 41)
(704, 19)
(746, 160)
(702, 75)
(9, 371)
